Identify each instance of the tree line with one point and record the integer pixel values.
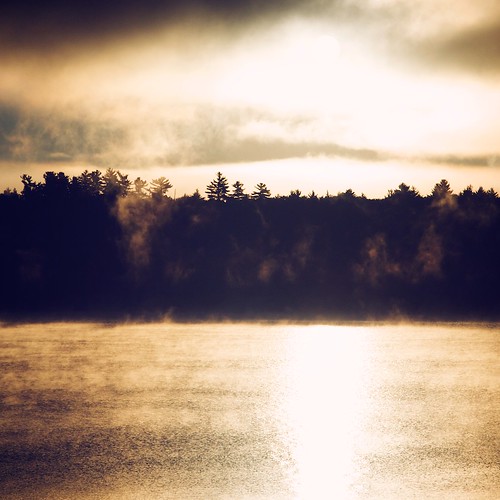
(114, 184)
(100, 246)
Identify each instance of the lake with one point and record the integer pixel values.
(249, 411)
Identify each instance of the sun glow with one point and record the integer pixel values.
(295, 71)
(372, 103)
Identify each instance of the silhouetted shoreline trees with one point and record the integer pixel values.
(100, 246)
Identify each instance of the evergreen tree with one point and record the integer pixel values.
(348, 194)
(30, 187)
(111, 186)
(140, 187)
(261, 192)
(238, 191)
(467, 193)
(403, 192)
(125, 185)
(115, 183)
(91, 183)
(442, 189)
(218, 189)
(159, 187)
(56, 185)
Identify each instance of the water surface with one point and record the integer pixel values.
(249, 411)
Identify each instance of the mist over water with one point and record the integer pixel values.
(249, 411)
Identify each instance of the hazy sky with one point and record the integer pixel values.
(323, 95)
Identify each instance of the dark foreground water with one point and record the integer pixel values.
(249, 411)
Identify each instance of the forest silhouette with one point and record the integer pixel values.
(99, 246)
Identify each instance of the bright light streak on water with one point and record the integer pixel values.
(324, 407)
(249, 412)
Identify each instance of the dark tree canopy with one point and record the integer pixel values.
(403, 192)
(97, 246)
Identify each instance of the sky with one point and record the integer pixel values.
(312, 95)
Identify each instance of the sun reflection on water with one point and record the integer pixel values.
(253, 411)
(324, 407)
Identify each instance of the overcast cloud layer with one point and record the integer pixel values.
(466, 32)
(176, 83)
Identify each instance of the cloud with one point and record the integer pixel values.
(204, 135)
(210, 136)
(410, 31)
(473, 49)
(450, 35)
(425, 34)
(33, 25)
(38, 136)
(487, 160)
(251, 150)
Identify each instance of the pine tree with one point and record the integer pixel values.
(29, 185)
(115, 183)
(442, 189)
(218, 189)
(238, 191)
(91, 183)
(261, 192)
(159, 187)
(140, 187)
